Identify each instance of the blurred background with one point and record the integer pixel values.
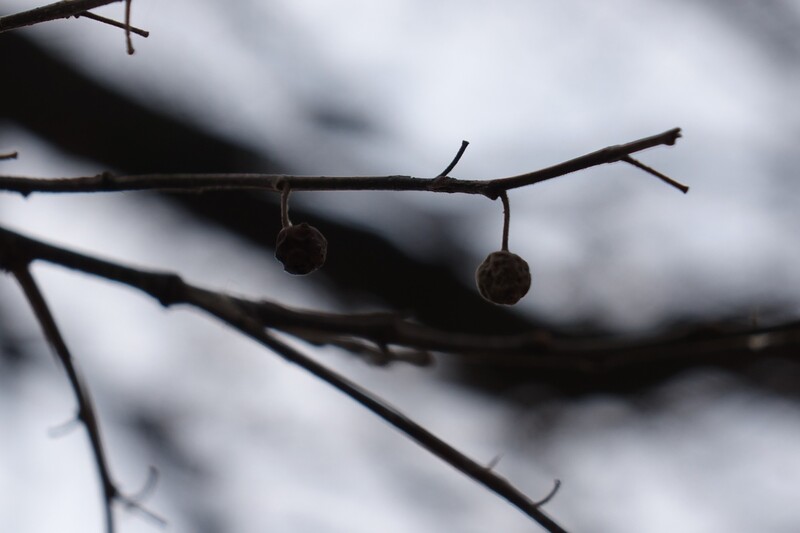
(244, 442)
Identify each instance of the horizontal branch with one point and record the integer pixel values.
(57, 10)
(534, 349)
(107, 182)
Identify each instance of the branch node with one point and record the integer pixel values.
(112, 22)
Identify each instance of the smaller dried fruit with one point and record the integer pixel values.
(503, 278)
(301, 248)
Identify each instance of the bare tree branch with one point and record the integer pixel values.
(86, 411)
(116, 24)
(54, 11)
(17, 251)
(107, 182)
(533, 349)
(87, 414)
(10, 155)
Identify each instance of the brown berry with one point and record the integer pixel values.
(503, 278)
(301, 248)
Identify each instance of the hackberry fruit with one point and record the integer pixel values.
(503, 278)
(301, 248)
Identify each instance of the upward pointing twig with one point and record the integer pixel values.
(455, 160)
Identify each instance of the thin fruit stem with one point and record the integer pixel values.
(506, 219)
(287, 190)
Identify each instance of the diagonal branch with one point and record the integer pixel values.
(87, 415)
(169, 289)
(485, 476)
(107, 182)
(54, 11)
(86, 411)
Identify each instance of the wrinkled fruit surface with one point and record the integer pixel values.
(503, 278)
(301, 249)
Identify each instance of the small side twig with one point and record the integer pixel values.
(455, 160)
(638, 164)
(551, 495)
(112, 22)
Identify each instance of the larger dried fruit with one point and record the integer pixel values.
(301, 248)
(503, 278)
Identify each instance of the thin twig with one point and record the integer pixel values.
(10, 155)
(422, 436)
(86, 411)
(285, 222)
(105, 182)
(57, 10)
(128, 42)
(506, 219)
(112, 22)
(455, 160)
(638, 164)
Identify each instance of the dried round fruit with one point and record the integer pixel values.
(503, 278)
(301, 248)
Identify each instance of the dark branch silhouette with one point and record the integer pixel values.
(107, 182)
(18, 251)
